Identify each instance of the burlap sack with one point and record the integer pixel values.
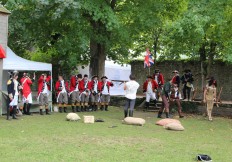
(89, 119)
(72, 117)
(134, 121)
(163, 122)
(174, 126)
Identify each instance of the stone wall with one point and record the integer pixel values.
(222, 72)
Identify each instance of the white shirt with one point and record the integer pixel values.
(45, 90)
(156, 79)
(77, 89)
(131, 89)
(63, 86)
(149, 88)
(105, 89)
(95, 85)
(16, 84)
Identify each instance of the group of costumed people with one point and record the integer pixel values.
(81, 91)
(88, 95)
(155, 87)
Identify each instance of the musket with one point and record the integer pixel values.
(122, 81)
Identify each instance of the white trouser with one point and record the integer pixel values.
(14, 102)
(28, 99)
(150, 95)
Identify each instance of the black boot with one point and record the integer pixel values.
(14, 113)
(65, 109)
(47, 113)
(102, 107)
(155, 102)
(131, 113)
(24, 108)
(85, 108)
(77, 109)
(146, 106)
(82, 109)
(125, 113)
(28, 109)
(167, 115)
(106, 108)
(8, 113)
(41, 111)
(159, 114)
(60, 109)
(95, 107)
(73, 110)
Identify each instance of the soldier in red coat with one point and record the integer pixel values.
(176, 78)
(159, 78)
(62, 93)
(85, 92)
(75, 92)
(44, 87)
(95, 95)
(26, 83)
(104, 90)
(149, 87)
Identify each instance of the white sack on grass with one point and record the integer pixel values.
(134, 121)
(88, 119)
(174, 126)
(163, 122)
(72, 117)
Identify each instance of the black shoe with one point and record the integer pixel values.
(101, 108)
(47, 113)
(41, 112)
(82, 109)
(106, 108)
(159, 115)
(25, 108)
(95, 108)
(14, 113)
(73, 110)
(167, 115)
(77, 109)
(28, 109)
(125, 113)
(60, 109)
(131, 113)
(65, 109)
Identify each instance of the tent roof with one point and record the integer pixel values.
(14, 62)
(4, 10)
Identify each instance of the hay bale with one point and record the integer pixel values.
(89, 119)
(174, 126)
(72, 117)
(163, 122)
(134, 121)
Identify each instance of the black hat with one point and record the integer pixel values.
(149, 76)
(85, 75)
(187, 70)
(157, 71)
(104, 77)
(79, 75)
(94, 76)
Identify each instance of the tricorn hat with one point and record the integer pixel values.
(85, 75)
(175, 71)
(94, 76)
(157, 71)
(104, 77)
(149, 76)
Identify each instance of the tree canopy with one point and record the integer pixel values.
(75, 32)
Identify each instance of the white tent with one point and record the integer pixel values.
(14, 62)
(113, 71)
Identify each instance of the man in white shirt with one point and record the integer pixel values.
(130, 88)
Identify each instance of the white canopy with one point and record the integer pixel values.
(14, 62)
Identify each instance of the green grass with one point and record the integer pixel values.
(51, 138)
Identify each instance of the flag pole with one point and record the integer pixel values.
(149, 70)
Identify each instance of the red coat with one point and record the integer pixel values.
(153, 83)
(58, 86)
(160, 79)
(26, 83)
(176, 80)
(91, 85)
(82, 86)
(108, 84)
(40, 84)
(73, 83)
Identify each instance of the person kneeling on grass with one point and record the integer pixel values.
(165, 97)
(130, 88)
(210, 96)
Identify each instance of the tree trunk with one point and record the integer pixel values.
(97, 60)
(202, 53)
(210, 58)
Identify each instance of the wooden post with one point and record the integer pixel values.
(4, 13)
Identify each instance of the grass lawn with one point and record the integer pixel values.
(51, 138)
